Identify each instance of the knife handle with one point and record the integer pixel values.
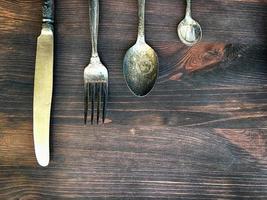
(94, 23)
(48, 11)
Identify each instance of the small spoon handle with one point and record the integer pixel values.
(94, 22)
(188, 8)
(141, 14)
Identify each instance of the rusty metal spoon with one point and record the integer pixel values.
(189, 30)
(140, 64)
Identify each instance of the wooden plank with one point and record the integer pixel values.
(132, 162)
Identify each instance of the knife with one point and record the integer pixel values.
(43, 85)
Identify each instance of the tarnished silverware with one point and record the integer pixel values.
(140, 64)
(43, 85)
(95, 74)
(189, 30)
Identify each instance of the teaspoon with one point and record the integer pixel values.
(140, 64)
(189, 30)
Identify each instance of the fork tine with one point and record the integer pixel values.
(92, 102)
(86, 94)
(105, 93)
(99, 93)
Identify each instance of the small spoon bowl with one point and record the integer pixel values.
(189, 31)
(140, 68)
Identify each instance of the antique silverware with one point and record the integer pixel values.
(95, 74)
(140, 64)
(43, 85)
(189, 30)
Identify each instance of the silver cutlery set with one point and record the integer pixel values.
(140, 70)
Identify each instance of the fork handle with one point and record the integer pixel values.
(49, 11)
(94, 22)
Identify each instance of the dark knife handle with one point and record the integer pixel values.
(48, 11)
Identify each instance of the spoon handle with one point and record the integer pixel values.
(94, 22)
(188, 8)
(141, 15)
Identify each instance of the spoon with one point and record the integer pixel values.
(189, 30)
(140, 64)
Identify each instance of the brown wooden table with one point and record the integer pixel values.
(201, 133)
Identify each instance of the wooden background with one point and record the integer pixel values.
(200, 134)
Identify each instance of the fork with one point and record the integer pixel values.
(95, 74)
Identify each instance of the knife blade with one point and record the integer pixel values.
(43, 85)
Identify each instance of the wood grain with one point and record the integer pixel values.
(200, 134)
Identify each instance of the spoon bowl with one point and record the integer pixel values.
(140, 68)
(189, 32)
